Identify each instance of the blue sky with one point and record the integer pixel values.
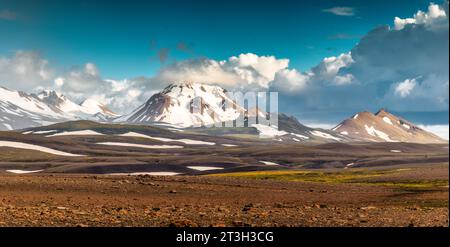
(123, 40)
(328, 59)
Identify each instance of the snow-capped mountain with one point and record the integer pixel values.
(174, 105)
(194, 104)
(384, 127)
(186, 104)
(22, 110)
(87, 109)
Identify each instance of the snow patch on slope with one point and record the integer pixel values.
(185, 141)
(204, 168)
(324, 135)
(387, 120)
(268, 131)
(124, 144)
(23, 171)
(377, 133)
(22, 145)
(77, 133)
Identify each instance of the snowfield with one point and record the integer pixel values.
(77, 133)
(39, 132)
(387, 120)
(22, 145)
(377, 133)
(229, 145)
(300, 136)
(269, 163)
(324, 135)
(349, 165)
(204, 168)
(146, 173)
(268, 131)
(185, 141)
(124, 144)
(22, 171)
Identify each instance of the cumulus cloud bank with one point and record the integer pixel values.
(403, 68)
(25, 70)
(245, 71)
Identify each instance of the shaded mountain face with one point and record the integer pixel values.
(21, 110)
(186, 104)
(384, 127)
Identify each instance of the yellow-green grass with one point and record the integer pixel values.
(359, 177)
(21, 155)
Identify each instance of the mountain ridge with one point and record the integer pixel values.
(188, 105)
(384, 126)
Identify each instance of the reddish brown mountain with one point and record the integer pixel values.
(384, 127)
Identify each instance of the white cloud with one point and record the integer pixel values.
(246, 71)
(440, 130)
(25, 70)
(59, 82)
(346, 79)
(341, 11)
(291, 80)
(330, 67)
(261, 68)
(435, 14)
(405, 87)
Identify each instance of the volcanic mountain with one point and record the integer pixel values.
(186, 104)
(191, 105)
(384, 127)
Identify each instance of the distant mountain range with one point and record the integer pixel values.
(21, 110)
(172, 108)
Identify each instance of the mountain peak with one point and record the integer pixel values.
(176, 104)
(382, 112)
(384, 126)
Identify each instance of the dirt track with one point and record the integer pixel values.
(79, 200)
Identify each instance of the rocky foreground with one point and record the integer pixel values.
(81, 200)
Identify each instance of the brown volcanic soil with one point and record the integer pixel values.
(88, 200)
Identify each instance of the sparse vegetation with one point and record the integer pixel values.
(363, 177)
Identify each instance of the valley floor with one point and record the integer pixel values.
(415, 196)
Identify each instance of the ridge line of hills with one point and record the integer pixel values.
(170, 109)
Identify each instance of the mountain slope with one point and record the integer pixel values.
(21, 110)
(87, 109)
(384, 127)
(174, 105)
(186, 104)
